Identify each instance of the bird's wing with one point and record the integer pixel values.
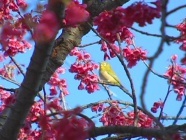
(114, 76)
(105, 76)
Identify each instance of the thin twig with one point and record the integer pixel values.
(108, 91)
(9, 80)
(166, 97)
(173, 117)
(63, 100)
(18, 84)
(155, 73)
(85, 45)
(176, 9)
(119, 44)
(8, 89)
(103, 83)
(146, 33)
(44, 90)
(87, 119)
(120, 86)
(17, 65)
(180, 111)
(25, 22)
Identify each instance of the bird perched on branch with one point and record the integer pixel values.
(108, 75)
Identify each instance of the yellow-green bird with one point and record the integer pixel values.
(108, 75)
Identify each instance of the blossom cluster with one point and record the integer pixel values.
(182, 39)
(57, 83)
(5, 100)
(75, 14)
(8, 6)
(54, 129)
(13, 29)
(112, 23)
(84, 67)
(97, 108)
(113, 26)
(43, 31)
(142, 13)
(176, 74)
(134, 55)
(114, 115)
(12, 38)
(157, 105)
(60, 128)
(109, 50)
(34, 117)
(36, 111)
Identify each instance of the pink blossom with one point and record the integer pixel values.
(84, 68)
(43, 31)
(134, 55)
(75, 14)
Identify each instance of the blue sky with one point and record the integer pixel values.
(157, 87)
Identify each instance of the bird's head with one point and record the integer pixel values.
(104, 65)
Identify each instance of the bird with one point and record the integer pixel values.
(107, 75)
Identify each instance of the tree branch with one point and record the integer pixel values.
(138, 131)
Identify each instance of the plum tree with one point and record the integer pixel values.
(54, 31)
